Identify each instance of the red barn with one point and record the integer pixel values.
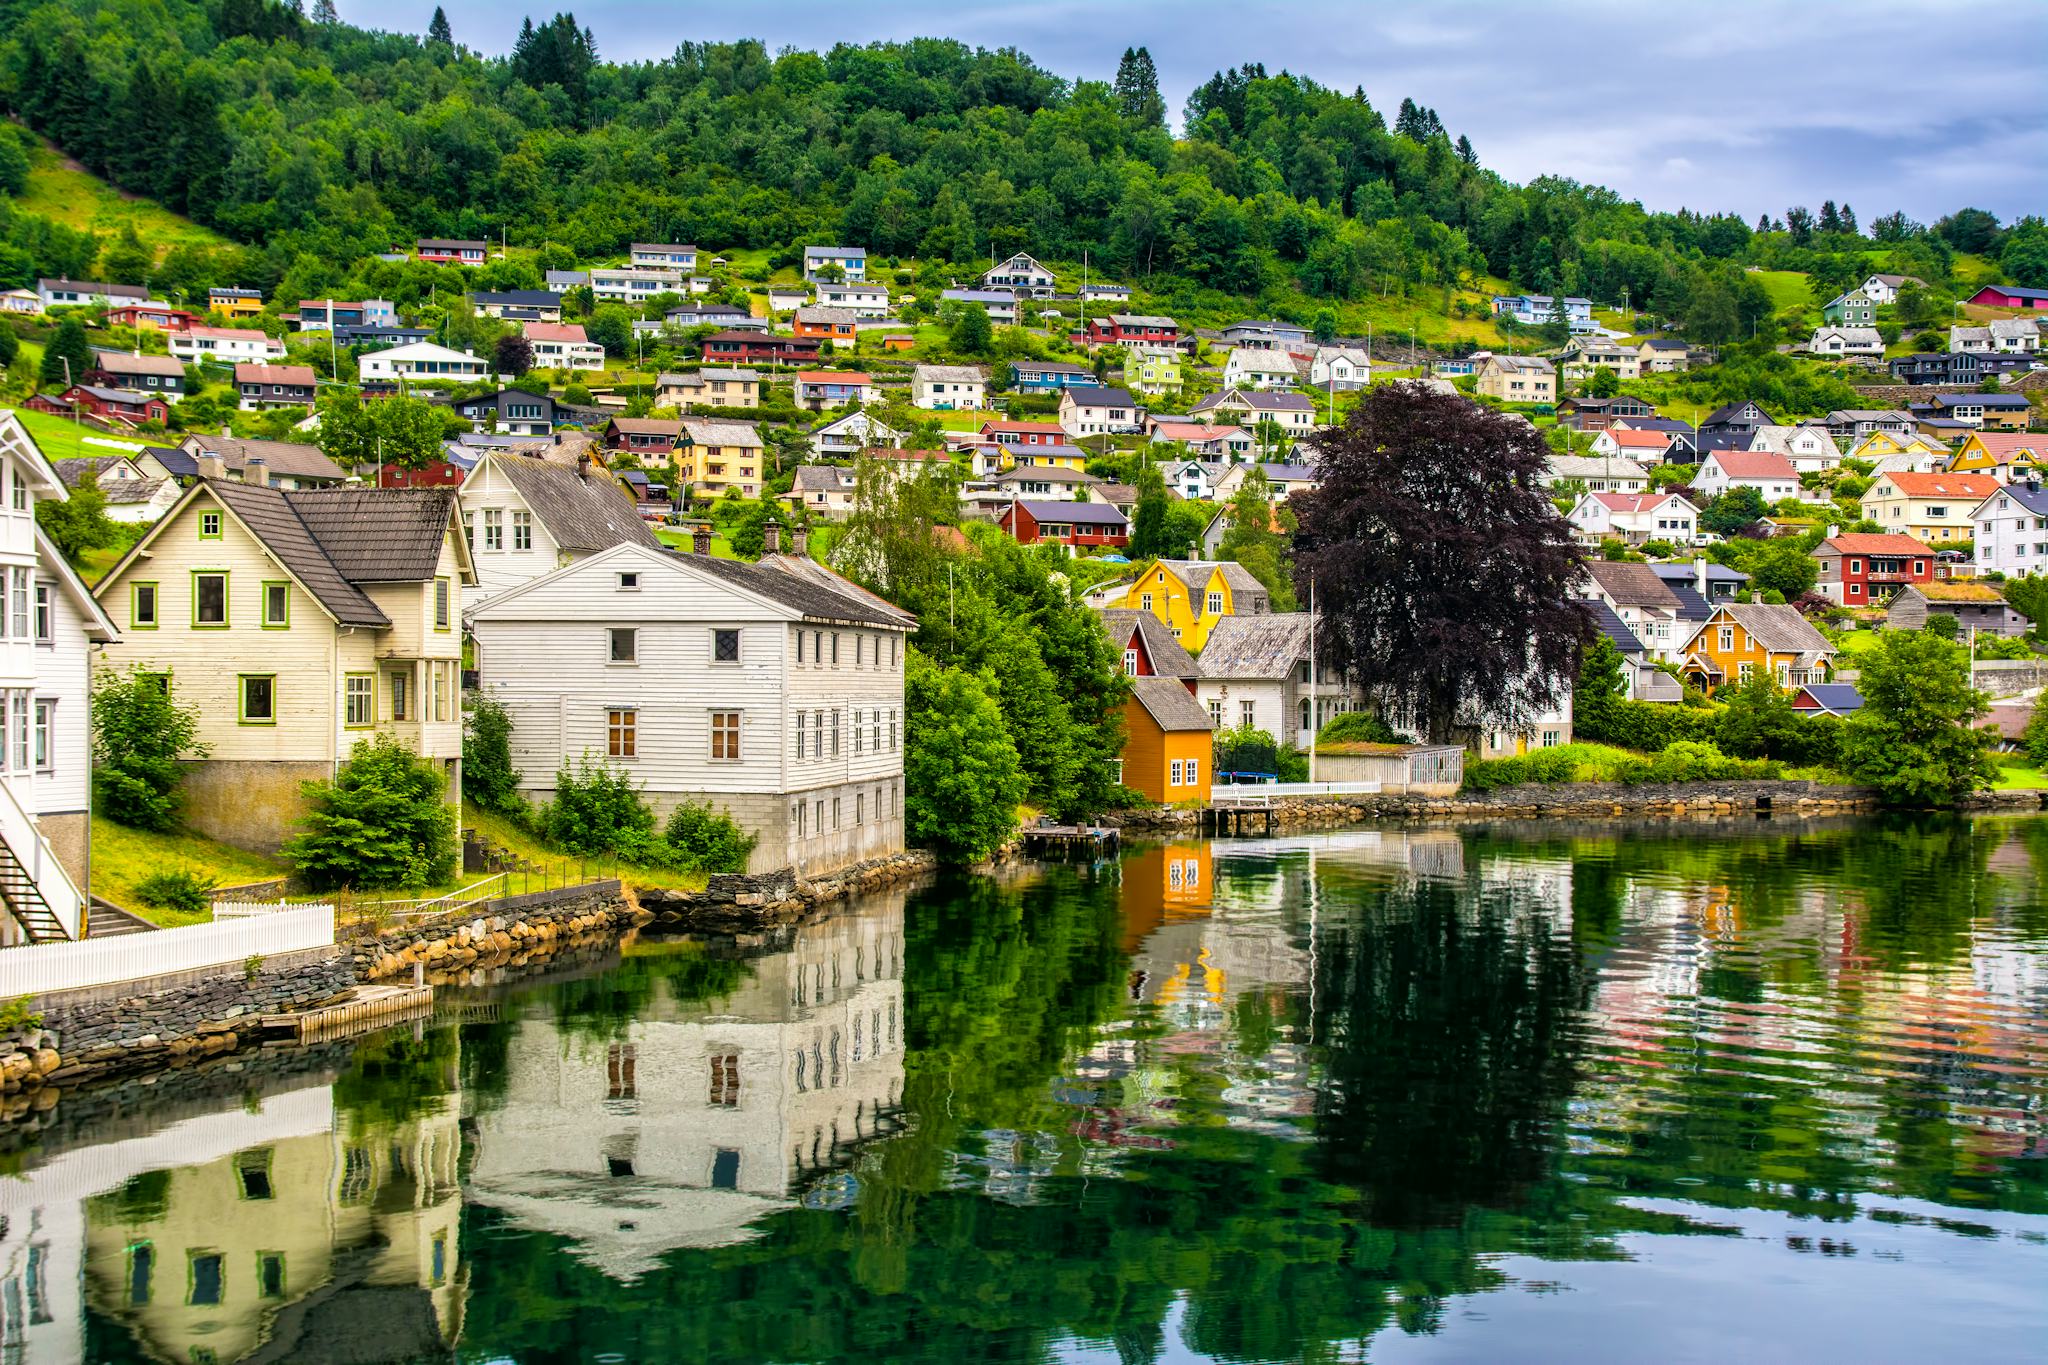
(2009, 296)
(1083, 525)
(1126, 328)
(109, 405)
(1857, 570)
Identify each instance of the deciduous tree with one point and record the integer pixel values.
(961, 777)
(1912, 739)
(1444, 576)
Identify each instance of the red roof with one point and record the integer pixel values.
(1944, 485)
(302, 375)
(1998, 444)
(1647, 440)
(555, 331)
(832, 377)
(1754, 464)
(1634, 502)
(1194, 431)
(1023, 428)
(227, 333)
(1864, 544)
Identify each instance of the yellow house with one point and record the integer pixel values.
(1879, 444)
(1931, 508)
(234, 304)
(2003, 455)
(715, 456)
(296, 623)
(1192, 595)
(1051, 457)
(1743, 638)
(1168, 742)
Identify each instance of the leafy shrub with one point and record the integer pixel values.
(138, 736)
(597, 809)
(1645, 725)
(1938, 623)
(488, 777)
(1544, 766)
(706, 840)
(1356, 727)
(188, 893)
(384, 821)
(2035, 738)
(1695, 761)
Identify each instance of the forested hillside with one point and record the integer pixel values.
(318, 139)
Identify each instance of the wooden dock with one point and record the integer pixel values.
(367, 1008)
(1067, 841)
(1228, 811)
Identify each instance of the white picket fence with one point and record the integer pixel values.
(37, 968)
(252, 909)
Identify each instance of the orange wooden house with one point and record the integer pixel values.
(1168, 742)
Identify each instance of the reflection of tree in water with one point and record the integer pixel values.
(1452, 1036)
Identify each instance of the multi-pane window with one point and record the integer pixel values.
(359, 700)
(1130, 663)
(725, 1079)
(725, 734)
(856, 729)
(443, 706)
(522, 530)
(18, 613)
(209, 599)
(494, 529)
(622, 733)
(443, 604)
(1247, 712)
(817, 734)
(142, 606)
(892, 731)
(725, 646)
(46, 631)
(835, 732)
(46, 734)
(209, 526)
(799, 734)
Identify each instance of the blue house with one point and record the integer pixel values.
(1047, 376)
(851, 259)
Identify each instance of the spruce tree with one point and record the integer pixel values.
(1137, 89)
(1465, 152)
(439, 32)
(325, 13)
(69, 344)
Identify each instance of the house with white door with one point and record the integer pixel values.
(949, 388)
(1770, 475)
(1634, 518)
(772, 691)
(524, 516)
(1255, 368)
(51, 632)
(563, 346)
(1342, 368)
(1098, 412)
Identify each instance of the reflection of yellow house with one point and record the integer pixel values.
(1743, 638)
(1191, 596)
(286, 1242)
(1161, 884)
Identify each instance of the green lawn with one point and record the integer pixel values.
(1787, 288)
(2019, 776)
(61, 191)
(123, 857)
(63, 439)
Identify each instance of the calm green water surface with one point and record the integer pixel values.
(1602, 1093)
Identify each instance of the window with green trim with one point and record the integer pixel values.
(277, 605)
(209, 599)
(209, 525)
(259, 705)
(252, 1169)
(206, 1278)
(444, 613)
(142, 606)
(359, 700)
(270, 1280)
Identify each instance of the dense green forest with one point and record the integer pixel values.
(322, 142)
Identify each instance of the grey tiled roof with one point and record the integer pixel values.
(811, 588)
(1780, 629)
(1256, 646)
(1632, 585)
(270, 517)
(282, 457)
(1612, 626)
(378, 535)
(1194, 573)
(1170, 658)
(584, 514)
(1168, 701)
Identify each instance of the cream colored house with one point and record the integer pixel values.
(1518, 379)
(711, 387)
(297, 623)
(1931, 508)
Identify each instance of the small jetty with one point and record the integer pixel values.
(1068, 841)
(1229, 812)
(365, 1009)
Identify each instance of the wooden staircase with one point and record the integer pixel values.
(25, 901)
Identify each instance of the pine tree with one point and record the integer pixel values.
(439, 32)
(1408, 122)
(68, 345)
(1465, 152)
(1849, 222)
(324, 12)
(1137, 89)
(1830, 220)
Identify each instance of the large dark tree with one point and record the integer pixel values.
(438, 30)
(513, 354)
(1137, 89)
(1442, 573)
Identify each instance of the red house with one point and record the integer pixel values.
(745, 346)
(161, 316)
(1134, 327)
(439, 474)
(109, 405)
(2009, 296)
(1857, 570)
(441, 251)
(1147, 647)
(1025, 433)
(1083, 525)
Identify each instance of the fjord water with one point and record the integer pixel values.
(1574, 1093)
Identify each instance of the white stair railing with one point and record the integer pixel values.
(18, 829)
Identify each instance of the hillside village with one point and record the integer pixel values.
(639, 499)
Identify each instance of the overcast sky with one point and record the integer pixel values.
(1732, 104)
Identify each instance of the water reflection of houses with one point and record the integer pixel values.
(687, 1124)
(252, 1235)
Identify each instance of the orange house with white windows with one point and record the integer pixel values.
(1167, 742)
(1743, 638)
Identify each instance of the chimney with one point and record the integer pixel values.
(255, 470)
(211, 466)
(700, 538)
(800, 542)
(585, 465)
(1699, 576)
(771, 538)
(1833, 531)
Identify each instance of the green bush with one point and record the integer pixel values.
(597, 809)
(188, 893)
(705, 840)
(384, 821)
(1356, 727)
(1645, 725)
(1548, 766)
(138, 736)
(1696, 761)
(488, 777)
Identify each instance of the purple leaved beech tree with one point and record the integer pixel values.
(1443, 575)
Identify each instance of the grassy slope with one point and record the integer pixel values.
(123, 857)
(63, 192)
(63, 439)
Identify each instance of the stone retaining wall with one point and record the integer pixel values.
(508, 931)
(738, 904)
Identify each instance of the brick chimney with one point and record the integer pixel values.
(211, 466)
(586, 465)
(256, 470)
(700, 538)
(771, 538)
(800, 542)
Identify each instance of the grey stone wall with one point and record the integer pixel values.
(510, 930)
